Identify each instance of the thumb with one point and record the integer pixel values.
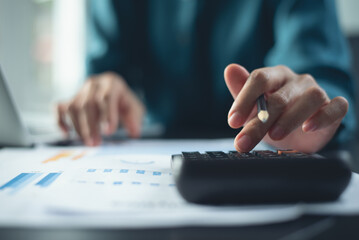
(235, 76)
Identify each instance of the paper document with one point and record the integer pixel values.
(127, 184)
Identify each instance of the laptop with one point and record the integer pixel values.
(14, 131)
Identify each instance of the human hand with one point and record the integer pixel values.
(301, 115)
(104, 101)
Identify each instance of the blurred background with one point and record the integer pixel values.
(42, 49)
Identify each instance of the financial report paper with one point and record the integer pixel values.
(124, 184)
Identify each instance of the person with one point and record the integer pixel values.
(167, 58)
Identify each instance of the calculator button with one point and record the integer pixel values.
(192, 155)
(292, 154)
(284, 152)
(217, 155)
(239, 155)
(266, 154)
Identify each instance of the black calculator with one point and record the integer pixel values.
(258, 177)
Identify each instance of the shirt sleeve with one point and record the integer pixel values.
(308, 39)
(103, 46)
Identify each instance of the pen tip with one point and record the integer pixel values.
(263, 116)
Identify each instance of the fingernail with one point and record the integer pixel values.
(277, 133)
(92, 142)
(234, 120)
(244, 143)
(309, 127)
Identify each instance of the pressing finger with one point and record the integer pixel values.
(252, 133)
(255, 130)
(75, 114)
(260, 81)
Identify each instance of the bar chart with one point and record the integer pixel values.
(22, 180)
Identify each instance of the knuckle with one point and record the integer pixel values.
(90, 85)
(260, 76)
(283, 68)
(278, 101)
(107, 97)
(317, 95)
(308, 78)
(91, 79)
(90, 104)
(113, 77)
(91, 82)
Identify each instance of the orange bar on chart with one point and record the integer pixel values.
(76, 157)
(58, 157)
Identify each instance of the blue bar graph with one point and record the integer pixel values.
(124, 171)
(48, 179)
(107, 170)
(140, 171)
(15, 180)
(156, 173)
(91, 170)
(20, 180)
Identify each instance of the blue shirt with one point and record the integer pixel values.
(173, 52)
